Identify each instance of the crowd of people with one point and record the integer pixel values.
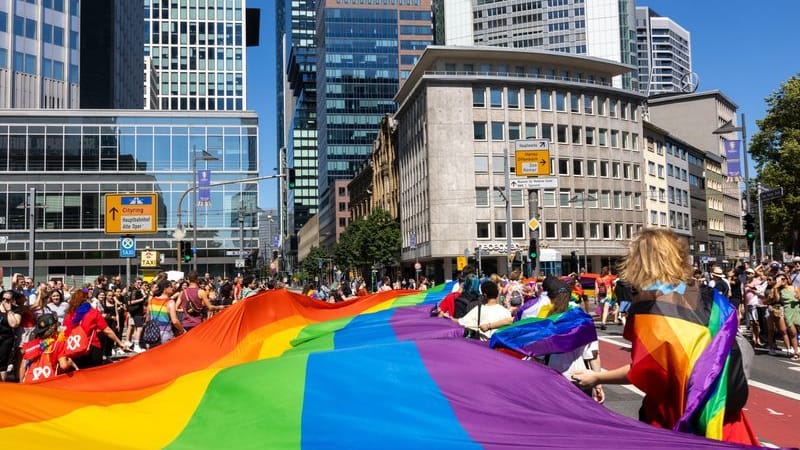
(110, 319)
(341, 290)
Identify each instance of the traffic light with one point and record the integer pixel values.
(186, 251)
(533, 250)
(291, 179)
(749, 227)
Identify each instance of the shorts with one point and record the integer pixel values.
(6, 351)
(612, 302)
(624, 306)
(752, 313)
(791, 313)
(776, 311)
(138, 321)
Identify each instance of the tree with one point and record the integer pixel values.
(367, 241)
(776, 151)
(310, 264)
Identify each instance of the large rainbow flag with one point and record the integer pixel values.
(284, 371)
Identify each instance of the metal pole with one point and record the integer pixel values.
(31, 232)
(241, 232)
(507, 164)
(585, 233)
(533, 212)
(194, 208)
(127, 271)
(480, 267)
(746, 179)
(760, 220)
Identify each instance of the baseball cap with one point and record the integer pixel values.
(749, 270)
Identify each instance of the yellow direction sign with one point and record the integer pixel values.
(149, 258)
(461, 262)
(532, 157)
(131, 213)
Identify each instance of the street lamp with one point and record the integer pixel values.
(580, 198)
(202, 155)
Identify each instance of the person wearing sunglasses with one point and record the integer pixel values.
(9, 321)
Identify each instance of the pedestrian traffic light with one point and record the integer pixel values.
(533, 250)
(291, 179)
(749, 227)
(186, 251)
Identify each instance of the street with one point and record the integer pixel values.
(773, 405)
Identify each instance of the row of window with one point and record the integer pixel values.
(677, 220)
(559, 230)
(675, 196)
(564, 134)
(574, 102)
(605, 199)
(672, 149)
(654, 169)
(567, 166)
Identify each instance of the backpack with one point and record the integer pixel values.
(464, 303)
(601, 288)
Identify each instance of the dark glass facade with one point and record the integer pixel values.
(74, 160)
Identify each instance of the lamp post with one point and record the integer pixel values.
(580, 198)
(203, 156)
(729, 128)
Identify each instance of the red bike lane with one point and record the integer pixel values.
(774, 416)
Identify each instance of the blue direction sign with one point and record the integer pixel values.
(127, 247)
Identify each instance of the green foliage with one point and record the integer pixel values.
(310, 265)
(776, 151)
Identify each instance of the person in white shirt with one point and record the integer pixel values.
(493, 315)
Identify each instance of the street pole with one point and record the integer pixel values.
(533, 210)
(241, 232)
(194, 208)
(31, 232)
(760, 220)
(507, 164)
(585, 232)
(746, 181)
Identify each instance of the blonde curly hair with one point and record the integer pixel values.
(656, 256)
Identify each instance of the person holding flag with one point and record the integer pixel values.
(684, 353)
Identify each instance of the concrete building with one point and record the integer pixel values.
(111, 53)
(385, 177)
(307, 238)
(698, 246)
(198, 49)
(453, 126)
(600, 28)
(364, 52)
(39, 54)
(74, 158)
(693, 118)
(361, 190)
(664, 52)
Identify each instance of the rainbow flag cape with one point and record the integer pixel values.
(558, 333)
(284, 371)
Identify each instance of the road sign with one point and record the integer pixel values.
(533, 224)
(241, 254)
(149, 258)
(461, 262)
(534, 183)
(131, 213)
(771, 194)
(240, 263)
(127, 247)
(532, 157)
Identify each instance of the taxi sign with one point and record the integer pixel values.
(131, 213)
(149, 258)
(532, 157)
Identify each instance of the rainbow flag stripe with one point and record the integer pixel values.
(281, 370)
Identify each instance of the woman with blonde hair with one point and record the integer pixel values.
(683, 345)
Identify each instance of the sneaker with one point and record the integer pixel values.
(137, 349)
(603, 327)
(772, 352)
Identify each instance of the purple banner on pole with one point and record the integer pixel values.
(204, 190)
(733, 156)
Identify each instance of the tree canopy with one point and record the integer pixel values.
(776, 152)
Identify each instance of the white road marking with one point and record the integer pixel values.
(774, 413)
(757, 384)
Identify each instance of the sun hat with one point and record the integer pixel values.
(717, 272)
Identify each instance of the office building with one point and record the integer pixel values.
(600, 28)
(111, 54)
(150, 85)
(74, 158)
(664, 53)
(198, 49)
(453, 128)
(364, 52)
(39, 54)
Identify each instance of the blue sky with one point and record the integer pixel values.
(744, 48)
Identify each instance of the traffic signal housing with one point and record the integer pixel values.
(749, 227)
(533, 250)
(186, 251)
(291, 180)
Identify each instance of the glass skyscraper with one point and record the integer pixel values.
(74, 158)
(198, 49)
(364, 51)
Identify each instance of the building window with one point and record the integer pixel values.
(549, 197)
(530, 99)
(601, 106)
(626, 171)
(577, 167)
(574, 102)
(614, 138)
(612, 108)
(482, 196)
(579, 232)
(342, 206)
(566, 230)
(562, 134)
(563, 166)
(342, 221)
(624, 111)
(478, 97)
(517, 230)
(625, 140)
(591, 168)
(498, 164)
(615, 169)
(481, 164)
(637, 202)
(605, 199)
(594, 230)
(602, 134)
(604, 168)
(563, 198)
(545, 100)
(497, 98)
(547, 131)
(497, 131)
(606, 231)
(530, 131)
(479, 131)
(550, 230)
(617, 200)
(499, 229)
(588, 104)
(513, 131)
(653, 217)
(342, 191)
(589, 136)
(576, 135)
(561, 104)
(660, 171)
(618, 231)
(513, 98)
(483, 230)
